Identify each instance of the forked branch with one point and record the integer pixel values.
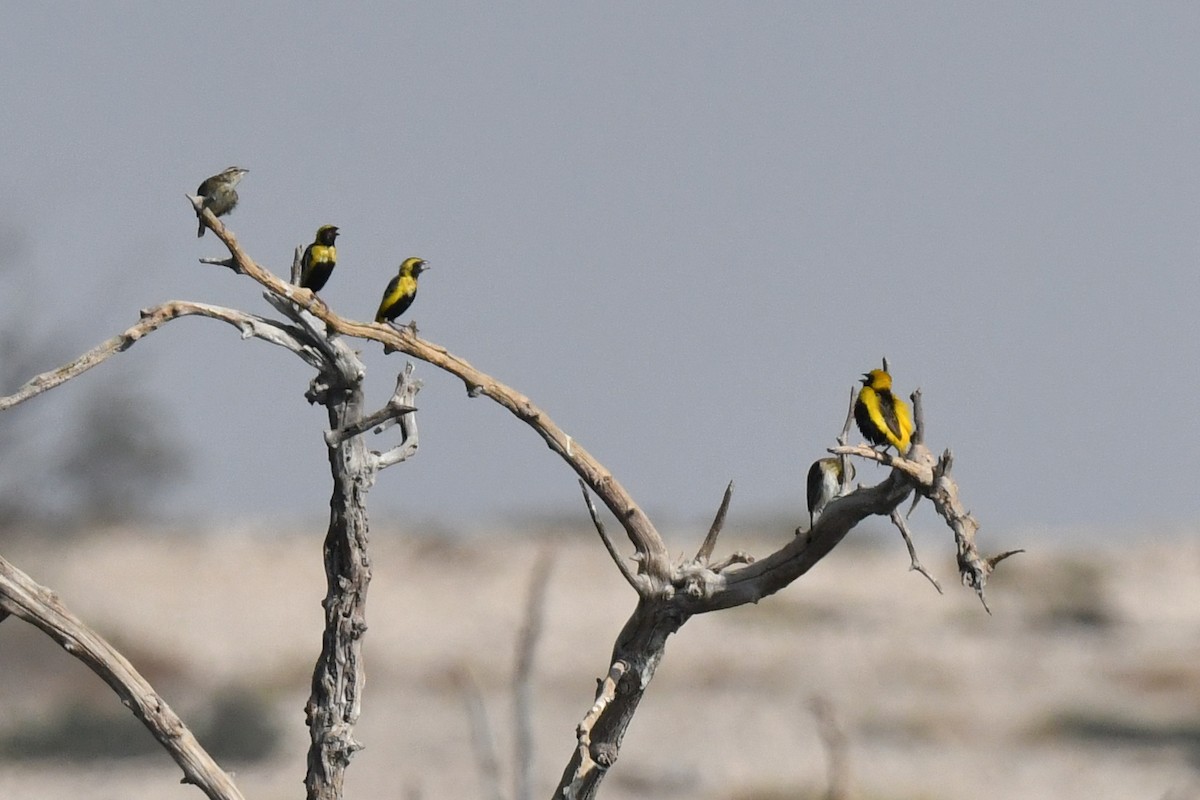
(931, 478)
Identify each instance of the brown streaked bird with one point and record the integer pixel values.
(220, 193)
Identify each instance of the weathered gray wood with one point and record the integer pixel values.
(334, 705)
(25, 599)
(669, 593)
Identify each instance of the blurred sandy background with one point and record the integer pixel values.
(1085, 682)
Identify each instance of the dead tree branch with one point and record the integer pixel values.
(22, 597)
(334, 707)
(898, 520)
(669, 594)
(652, 553)
(250, 325)
(930, 478)
(108, 664)
(710, 541)
(590, 763)
(392, 413)
(638, 583)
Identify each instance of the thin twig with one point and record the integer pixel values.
(297, 265)
(736, 557)
(710, 541)
(632, 579)
(405, 416)
(843, 439)
(395, 408)
(916, 499)
(918, 433)
(915, 564)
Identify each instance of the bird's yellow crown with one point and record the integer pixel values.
(877, 379)
(327, 234)
(412, 266)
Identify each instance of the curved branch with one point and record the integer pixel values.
(637, 582)
(654, 557)
(662, 608)
(152, 319)
(768, 575)
(22, 597)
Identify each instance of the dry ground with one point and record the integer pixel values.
(1085, 683)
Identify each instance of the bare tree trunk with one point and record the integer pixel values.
(335, 703)
(639, 649)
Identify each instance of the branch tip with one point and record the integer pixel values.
(613, 553)
(994, 560)
(914, 563)
(710, 541)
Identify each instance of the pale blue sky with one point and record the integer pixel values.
(683, 229)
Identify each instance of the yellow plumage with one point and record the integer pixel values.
(319, 259)
(883, 418)
(401, 290)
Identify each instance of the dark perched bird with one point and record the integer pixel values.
(319, 259)
(824, 484)
(220, 193)
(883, 418)
(401, 290)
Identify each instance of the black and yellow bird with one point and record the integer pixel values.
(319, 259)
(824, 484)
(883, 418)
(220, 193)
(401, 290)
